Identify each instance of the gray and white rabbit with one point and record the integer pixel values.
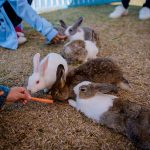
(83, 42)
(95, 70)
(76, 32)
(123, 116)
(44, 71)
(79, 51)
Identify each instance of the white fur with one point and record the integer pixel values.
(92, 107)
(78, 36)
(92, 49)
(76, 88)
(118, 12)
(90, 46)
(144, 13)
(49, 77)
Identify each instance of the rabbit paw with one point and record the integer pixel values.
(72, 103)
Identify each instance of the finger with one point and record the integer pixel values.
(21, 89)
(25, 102)
(21, 96)
(28, 96)
(56, 38)
(54, 42)
(61, 36)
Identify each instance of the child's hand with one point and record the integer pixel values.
(18, 94)
(58, 38)
(1, 93)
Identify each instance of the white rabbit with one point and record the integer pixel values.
(44, 72)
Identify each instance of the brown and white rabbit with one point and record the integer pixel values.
(79, 51)
(95, 70)
(123, 116)
(75, 32)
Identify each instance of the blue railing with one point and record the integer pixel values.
(47, 5)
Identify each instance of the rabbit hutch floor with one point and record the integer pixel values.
(58, 126)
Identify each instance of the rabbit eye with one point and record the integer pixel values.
(70, 30)
(83, 89)
(37, 82)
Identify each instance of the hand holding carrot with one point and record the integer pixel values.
(18, 94)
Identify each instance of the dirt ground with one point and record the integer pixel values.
(58, 126)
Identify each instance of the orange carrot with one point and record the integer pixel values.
(1, 93)
(42, 100)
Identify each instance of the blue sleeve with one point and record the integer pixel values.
(1, 2)
(25, 11)
(4, 96)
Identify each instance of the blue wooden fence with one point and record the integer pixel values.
(47, 5)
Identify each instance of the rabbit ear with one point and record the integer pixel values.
(106, 88)
(44, 66)
(60, 77)
(63, 24)
(36, 62)
(78, 22)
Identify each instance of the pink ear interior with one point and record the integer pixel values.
(36, 62)
(43, 66)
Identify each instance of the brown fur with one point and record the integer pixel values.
(91, 35)
(131, 120)
(77, 52)
(95, 88)
(97, 70)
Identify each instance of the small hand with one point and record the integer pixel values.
(58, 38)
(1, 93)
(18, 94)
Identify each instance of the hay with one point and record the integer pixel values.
(58, 126)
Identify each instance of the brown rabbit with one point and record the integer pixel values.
(96, 70)
(123, 116)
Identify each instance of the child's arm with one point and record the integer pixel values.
(25, 11)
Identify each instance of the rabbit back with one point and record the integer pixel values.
(91, 35)
(54, 60)
(100, 70)
(75, 51)
(131, 120)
